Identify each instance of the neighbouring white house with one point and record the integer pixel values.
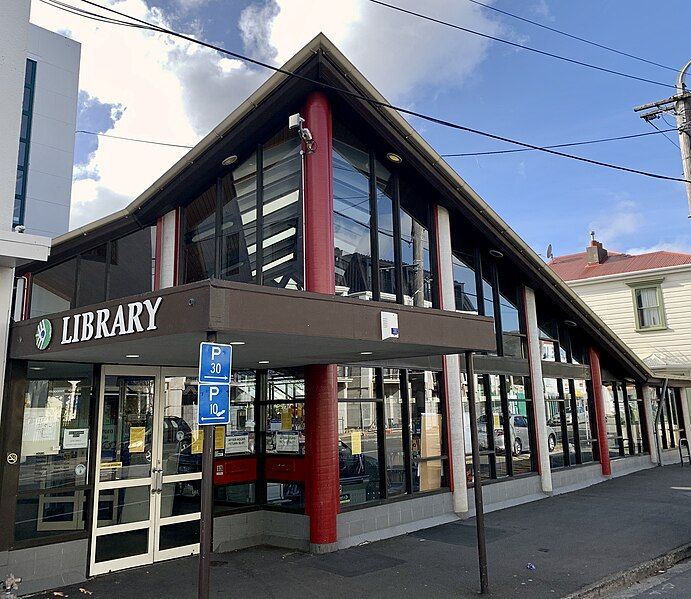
(45, 158)
(645, 299)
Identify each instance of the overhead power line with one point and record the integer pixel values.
(380, 103)
(572, 36)
(567, 145)
(488, 153)
(141, 141)
(517, 45)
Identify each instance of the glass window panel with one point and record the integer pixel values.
(393, 433)
(358, 452)
(488, 294)
(179, 534)
(181, 433)
(178, 499)
(548, 350)
(239, 434)
(426, 429)
(415, 256)
(285, 428)
(123, 506)
(239, 223)
(611, 420)
(127, 429)
(52, 290)
(282, 171)
(585, 433)
(24, 131)
(131, 268)
(510, 320)
(23, 153)
(235, 495)
(50, 514)
(55, 433)
(287, 495)
(353, 254)
(385, 237)
(92, 276)
(122, 544)
(356, 382)
(465, 288)
(497, 416)
(200, 236)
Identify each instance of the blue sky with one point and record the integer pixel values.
(487, 86)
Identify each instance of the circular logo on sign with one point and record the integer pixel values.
(44, 333)
(80, 469)
(12, 458)
(180, 436)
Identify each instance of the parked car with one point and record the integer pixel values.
(520, 438)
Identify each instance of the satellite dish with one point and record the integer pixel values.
(550, 254)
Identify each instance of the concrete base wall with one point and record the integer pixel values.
(48, 566)
(250, 529)
(393, 519)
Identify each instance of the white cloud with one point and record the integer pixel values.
(680, 245)
(614, 225)
(175, 91)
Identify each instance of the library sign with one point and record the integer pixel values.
(126, 319)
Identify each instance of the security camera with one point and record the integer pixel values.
(295, 121)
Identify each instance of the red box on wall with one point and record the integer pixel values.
(235, 470)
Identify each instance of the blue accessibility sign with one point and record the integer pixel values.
(214, 404)
(215, 363)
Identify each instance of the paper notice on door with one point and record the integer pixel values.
(75, 438)
(286, 420)
(197, 440)
(137, 436)
(219, 437)
(288, 442)
(356, 442)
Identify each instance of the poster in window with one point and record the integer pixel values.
(41, 435)
(75, 438)
(237, 443)
(286, 420)
(287, 442)
(197, 440)
(431, 435)
(219, 438)
(356, 442)
(137, 437)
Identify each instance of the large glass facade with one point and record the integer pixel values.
(247, 225)
(382, 245)
(24, 143)
(119, 268)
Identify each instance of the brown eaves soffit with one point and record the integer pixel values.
(464, 197)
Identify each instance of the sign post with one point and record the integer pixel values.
(215, 361)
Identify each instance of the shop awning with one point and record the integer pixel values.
(278, 327)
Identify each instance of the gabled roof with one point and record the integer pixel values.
(320, 61)
(575, 267)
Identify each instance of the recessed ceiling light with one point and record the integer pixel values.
(132, 356)
(496, 254)
(263, 361)
(236, 343)
(228, 160)
(395, 158)
(365, 353)
(36, 368)
(570, 323)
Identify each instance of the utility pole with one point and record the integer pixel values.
(680, 105)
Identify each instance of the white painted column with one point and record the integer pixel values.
(169, 249)
(535, 362)
(685, 413)
(649, 401)
(452, 365)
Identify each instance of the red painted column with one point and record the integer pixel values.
(599, 402)
(321, 383)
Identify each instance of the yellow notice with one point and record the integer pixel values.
(496, 421)
(197, 440)
(137, 435)
(286, 420)
(356, 442)
(219, 437)
(110, 465)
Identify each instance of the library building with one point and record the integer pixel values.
(355, 275)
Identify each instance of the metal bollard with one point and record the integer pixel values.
(9, 586)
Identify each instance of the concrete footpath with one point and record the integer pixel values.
(573, 540)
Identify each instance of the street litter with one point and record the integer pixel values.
(530, 566)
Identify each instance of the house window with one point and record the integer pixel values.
(648, 306)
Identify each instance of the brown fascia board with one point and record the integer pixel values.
(472, 205)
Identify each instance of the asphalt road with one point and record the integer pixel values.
(674, 583)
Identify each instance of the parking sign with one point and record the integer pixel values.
(214, 404)
(215, 363)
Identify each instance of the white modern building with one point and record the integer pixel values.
(47, 133)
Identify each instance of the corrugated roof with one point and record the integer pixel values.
(575, 267)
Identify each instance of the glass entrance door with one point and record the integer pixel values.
(147, 495)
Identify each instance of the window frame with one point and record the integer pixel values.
(643, 285)
(23, 167)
